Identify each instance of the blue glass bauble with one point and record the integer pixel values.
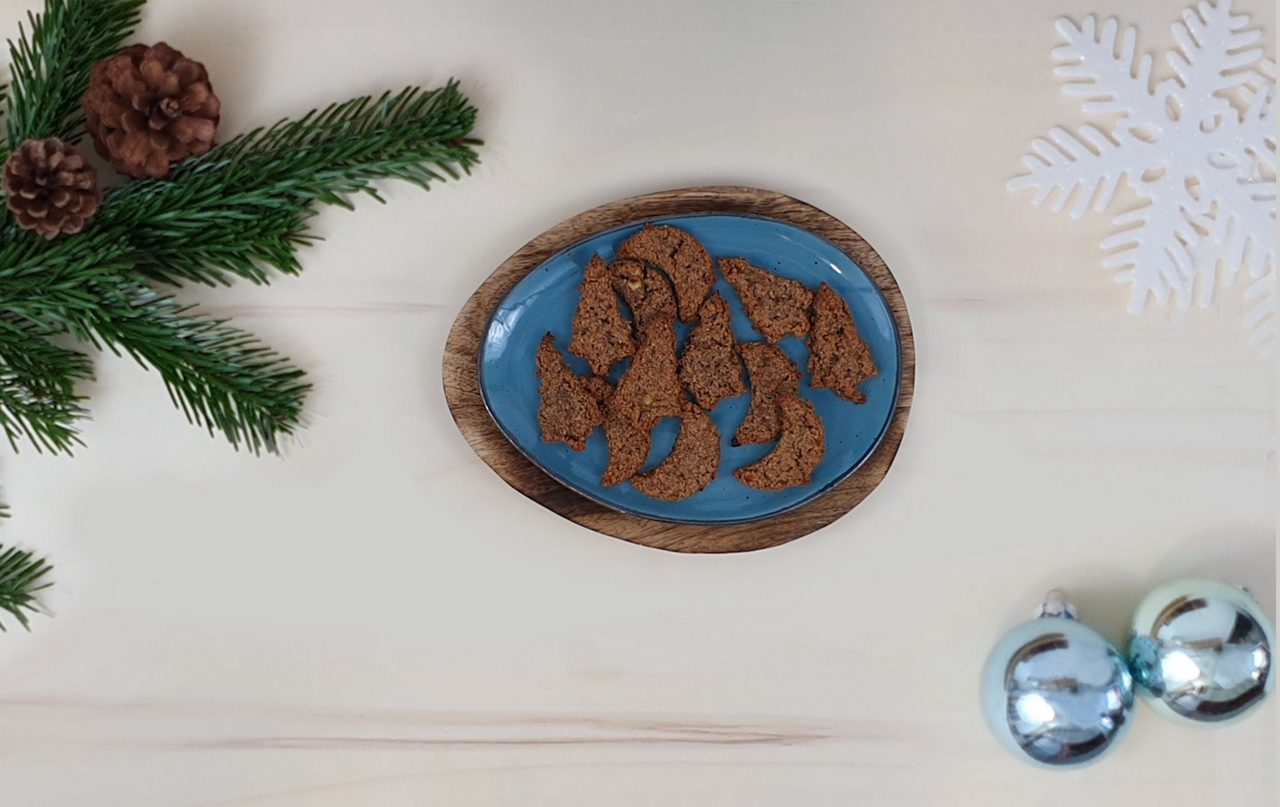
(1201, 651)
(1056, 692)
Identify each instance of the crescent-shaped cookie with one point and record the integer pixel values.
(773, 376)
(797, 453)
(692, 463)
(679, 254)
(646, 291)
(600, 333)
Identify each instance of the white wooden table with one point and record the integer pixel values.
(377, 619)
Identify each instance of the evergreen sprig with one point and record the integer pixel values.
(239, 211)
(22, 577)
(50, 62)
(38, 399)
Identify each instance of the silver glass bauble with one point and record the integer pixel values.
(1202, 651)
(1056, 692)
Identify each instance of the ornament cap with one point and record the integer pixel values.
(1057, 605)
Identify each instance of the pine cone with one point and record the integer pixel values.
(50, 187)
(149, 107)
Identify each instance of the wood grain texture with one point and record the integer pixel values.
(461, 375)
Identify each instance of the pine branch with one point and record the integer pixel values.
(221, 378)
(38, 399)
(241, 210)
(22, 577)
(44, 282)
(260, 188)
(50, 63)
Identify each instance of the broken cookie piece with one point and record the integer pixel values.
(628, 445)
(628, 448)
(773, 376)
(692, 463)
(709, 367)
(600, 333)
(646, 291)
(570, 408)
(679, 254)
(650, 389)
(838, 357)
(798, 452)
(777, 306)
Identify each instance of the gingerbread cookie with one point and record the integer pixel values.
(773, 376)
(776, 305)
(838, 357)
(798, 452)
(709, 367)
(570, 408)
(600, 333)
(692, 463)
(681, 257)
(650, 389)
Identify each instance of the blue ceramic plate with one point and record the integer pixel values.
(545, 301)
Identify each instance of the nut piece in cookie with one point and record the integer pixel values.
(650, 389)
(646, 291)
(692, 463)
(798, 452)
(838, 358)
(570, 408)
(773, 376)
(776, 305)
(678, 254)
(600, 333)
(710, 368)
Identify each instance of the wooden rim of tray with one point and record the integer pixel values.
(462, 385)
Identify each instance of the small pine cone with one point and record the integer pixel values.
(149, 107)
(50, 187)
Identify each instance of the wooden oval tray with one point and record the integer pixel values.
(462, 391)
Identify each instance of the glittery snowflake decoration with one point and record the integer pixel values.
(1198, 148)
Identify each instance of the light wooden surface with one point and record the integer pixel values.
(377, 619)
(462, 386)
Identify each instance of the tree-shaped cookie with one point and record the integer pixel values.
(773, 376)
(776, 305)
(838, 357)
(570, 408)
(709, 366)
(650, 389)
(600, 333)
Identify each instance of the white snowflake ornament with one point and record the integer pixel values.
(1198, 148)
